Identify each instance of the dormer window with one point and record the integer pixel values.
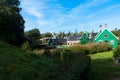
(105, 36)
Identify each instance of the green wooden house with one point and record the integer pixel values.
(106, 36)
(85, 38)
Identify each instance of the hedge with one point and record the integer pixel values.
(74, 66)
(90, 48)
(116, 51)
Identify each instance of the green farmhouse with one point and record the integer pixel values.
(106, 36)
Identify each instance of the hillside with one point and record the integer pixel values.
(15, 64)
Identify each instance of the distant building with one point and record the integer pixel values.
(74, 40)
(106, 36)
(81, 39)
(54, 42)
(58, 41)
(92, 36)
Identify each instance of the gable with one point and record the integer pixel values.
(106, 34)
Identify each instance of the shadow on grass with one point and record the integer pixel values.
(103, 69)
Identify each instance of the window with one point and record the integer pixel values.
(106, 41)
(100, 41)
(112, 42)
(105, 36)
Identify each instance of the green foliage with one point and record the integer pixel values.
(11, 22)
(26, 46)
(72, 66)
(47, 34)
(97, 47)
(116, 51)
(61, 34)
(33, 34)
(116, 32)
(90, 48)
(77, 49)
(15, 64)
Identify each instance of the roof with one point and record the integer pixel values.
(60, 40)
(74, 37)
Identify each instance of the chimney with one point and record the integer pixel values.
(100, 27)
(105, 25)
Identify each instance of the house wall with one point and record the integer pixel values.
(107, 36)
(71, 43)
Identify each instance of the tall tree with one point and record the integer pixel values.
(11, 22)
(76, 32)
(68, 34)
(61, 34)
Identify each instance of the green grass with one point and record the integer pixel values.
(16, 64)
(103, 67)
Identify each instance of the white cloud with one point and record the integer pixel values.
(110, 8)
(102, 21)
(45, 11)
(90, 16)
(89, 4)
(50, 15)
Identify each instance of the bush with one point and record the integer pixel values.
(78, 49)
(116, 51)
(90, 48)
(97, 47)
(26, 46)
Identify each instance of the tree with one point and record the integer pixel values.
(68, 34)
(116, 32)
(11, 22)
(34, 35)
(47, 34)
(61, 34)
(80, 33)
(76, 32)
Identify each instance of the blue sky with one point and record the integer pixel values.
(69, 15)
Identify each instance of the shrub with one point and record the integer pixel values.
(116, 51)
(26, 46)
(74, 67)
(97, 47)
(78, 49)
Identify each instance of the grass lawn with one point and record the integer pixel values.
(103, 67)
